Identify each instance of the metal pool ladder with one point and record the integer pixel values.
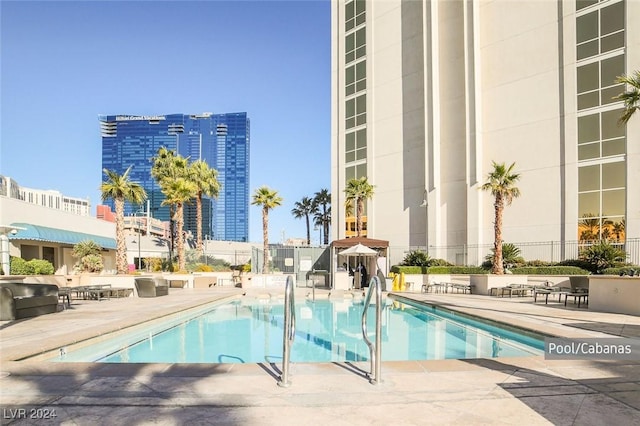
(289, 332)
(375, 351)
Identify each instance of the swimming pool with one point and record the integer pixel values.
(251, 330)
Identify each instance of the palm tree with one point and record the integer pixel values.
(207, 183)
(304, 208)
(268, 199)
(359, 190)
(322, 214)
(166, 168)
(177, 192)
(500, 181)
(119, 188)
(631, 97)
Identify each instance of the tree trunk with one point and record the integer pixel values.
(265, 239)
(308, 230)
(121, 245)
(199, 244)
(325, 225)
(180, 243)
(359, 210)
(497, 228)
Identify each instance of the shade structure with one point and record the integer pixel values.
(358, 250)
(369, 242)
(29, 232)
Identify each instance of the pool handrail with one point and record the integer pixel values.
(289, 332)
(375, 351)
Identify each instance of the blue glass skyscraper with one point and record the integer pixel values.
(221, 140)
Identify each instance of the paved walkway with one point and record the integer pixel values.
(504, 391)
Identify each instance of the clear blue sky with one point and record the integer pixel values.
(65, 62)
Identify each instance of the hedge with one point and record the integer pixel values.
(20, 266)
(549, 270)
(438, 270)
(525, 270)
(623, 270)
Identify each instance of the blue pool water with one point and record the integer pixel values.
(326, 331)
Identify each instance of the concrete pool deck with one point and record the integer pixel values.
(529, 390)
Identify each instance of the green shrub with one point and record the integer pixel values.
(409, 269)
(438, 270)
(416, 258)
(577, 263)
(153, 264)
(549, 270)
(537, 263)
(203, 268)
(91, 263)
(42, 267)
(242, 268)
(603, 255)
(623, 270)
(439, 262)
(89, 255)
(20, 266)
(510, 257)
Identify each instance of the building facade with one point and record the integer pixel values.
(428, 94)
(44, 197)
(221, 140)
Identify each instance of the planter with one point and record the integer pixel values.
(482, 284)
(611, 293)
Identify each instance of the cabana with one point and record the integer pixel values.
(371, 263)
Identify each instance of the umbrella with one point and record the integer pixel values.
(358, 250)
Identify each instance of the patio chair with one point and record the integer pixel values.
(151, 287)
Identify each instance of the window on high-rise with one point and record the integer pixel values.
(356, 111)
(356, 78)
(356, 146)
(354, 14)
(601, 141)
(600, 31)
(355, 45)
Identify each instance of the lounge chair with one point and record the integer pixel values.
(151, 287)
(550, 290)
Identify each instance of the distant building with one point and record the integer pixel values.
(44, 197)
(137, 224)
(221, 140)
(297, 242)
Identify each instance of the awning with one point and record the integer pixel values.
(61, 236)
(369, 242)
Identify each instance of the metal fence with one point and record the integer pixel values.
(311, 265)
(547, 251)
(307, 263)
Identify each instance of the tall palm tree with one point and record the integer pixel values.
(303, 209)
(177, 192)
(206, 181)
(359, 190)
(167, 167)
(630, 97)
(268, 199)
(322, 211)
(120, 188)
(501, 182)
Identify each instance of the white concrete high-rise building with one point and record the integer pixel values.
(426, 95)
